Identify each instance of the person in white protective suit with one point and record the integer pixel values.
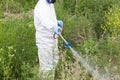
(46, 26)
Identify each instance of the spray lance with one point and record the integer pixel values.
(57, 32)
(66, 43)
(69, 47)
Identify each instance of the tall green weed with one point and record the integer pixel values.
(18, 49)
(91, 9)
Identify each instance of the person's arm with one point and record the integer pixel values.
(48, 23)
(47, 16)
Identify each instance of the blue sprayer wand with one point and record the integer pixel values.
(66, 43)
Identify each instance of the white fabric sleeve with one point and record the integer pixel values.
(47, 22)
(48, 19)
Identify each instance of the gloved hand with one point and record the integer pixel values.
(60, 23)
(57, 30)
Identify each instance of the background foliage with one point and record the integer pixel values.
(91, 26)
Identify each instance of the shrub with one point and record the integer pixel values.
(6, 63)
(91, 9)
(89, 47)
(112, 25)
(69, 5)
(106, 47)
(11, 6)
(17, 38)
(27, 4)
(1, 11)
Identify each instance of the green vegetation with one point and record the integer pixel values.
(91, 26)
(112, 25)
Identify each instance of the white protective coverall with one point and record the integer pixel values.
(44, 20)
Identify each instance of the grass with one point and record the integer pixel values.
(21, 38)
(18, 52)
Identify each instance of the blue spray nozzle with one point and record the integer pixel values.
(68, 45)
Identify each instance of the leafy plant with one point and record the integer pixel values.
(91, 9)
(6, 63)
(82, 18)
(89, 47)
(112, 18)
(20, 35)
